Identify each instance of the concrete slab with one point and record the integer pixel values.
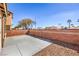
(10, 51)
(32, 46)
(23, 45)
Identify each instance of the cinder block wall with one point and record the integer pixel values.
(54, 35)
(16, 32)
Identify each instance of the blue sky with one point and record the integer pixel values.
(46, 14)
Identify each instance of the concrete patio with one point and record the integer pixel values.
(23, 45)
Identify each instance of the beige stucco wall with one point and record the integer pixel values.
(9, 20)
(0, 33)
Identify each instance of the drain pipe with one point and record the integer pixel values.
(5, 17)
(5, 8)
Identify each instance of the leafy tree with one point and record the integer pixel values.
(26, 23)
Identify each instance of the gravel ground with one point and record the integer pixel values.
(58, 48)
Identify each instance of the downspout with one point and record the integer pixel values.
(5, 17)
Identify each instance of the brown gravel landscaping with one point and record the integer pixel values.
(58, 48)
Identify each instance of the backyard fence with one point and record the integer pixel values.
(16, 32)
(69, 36)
